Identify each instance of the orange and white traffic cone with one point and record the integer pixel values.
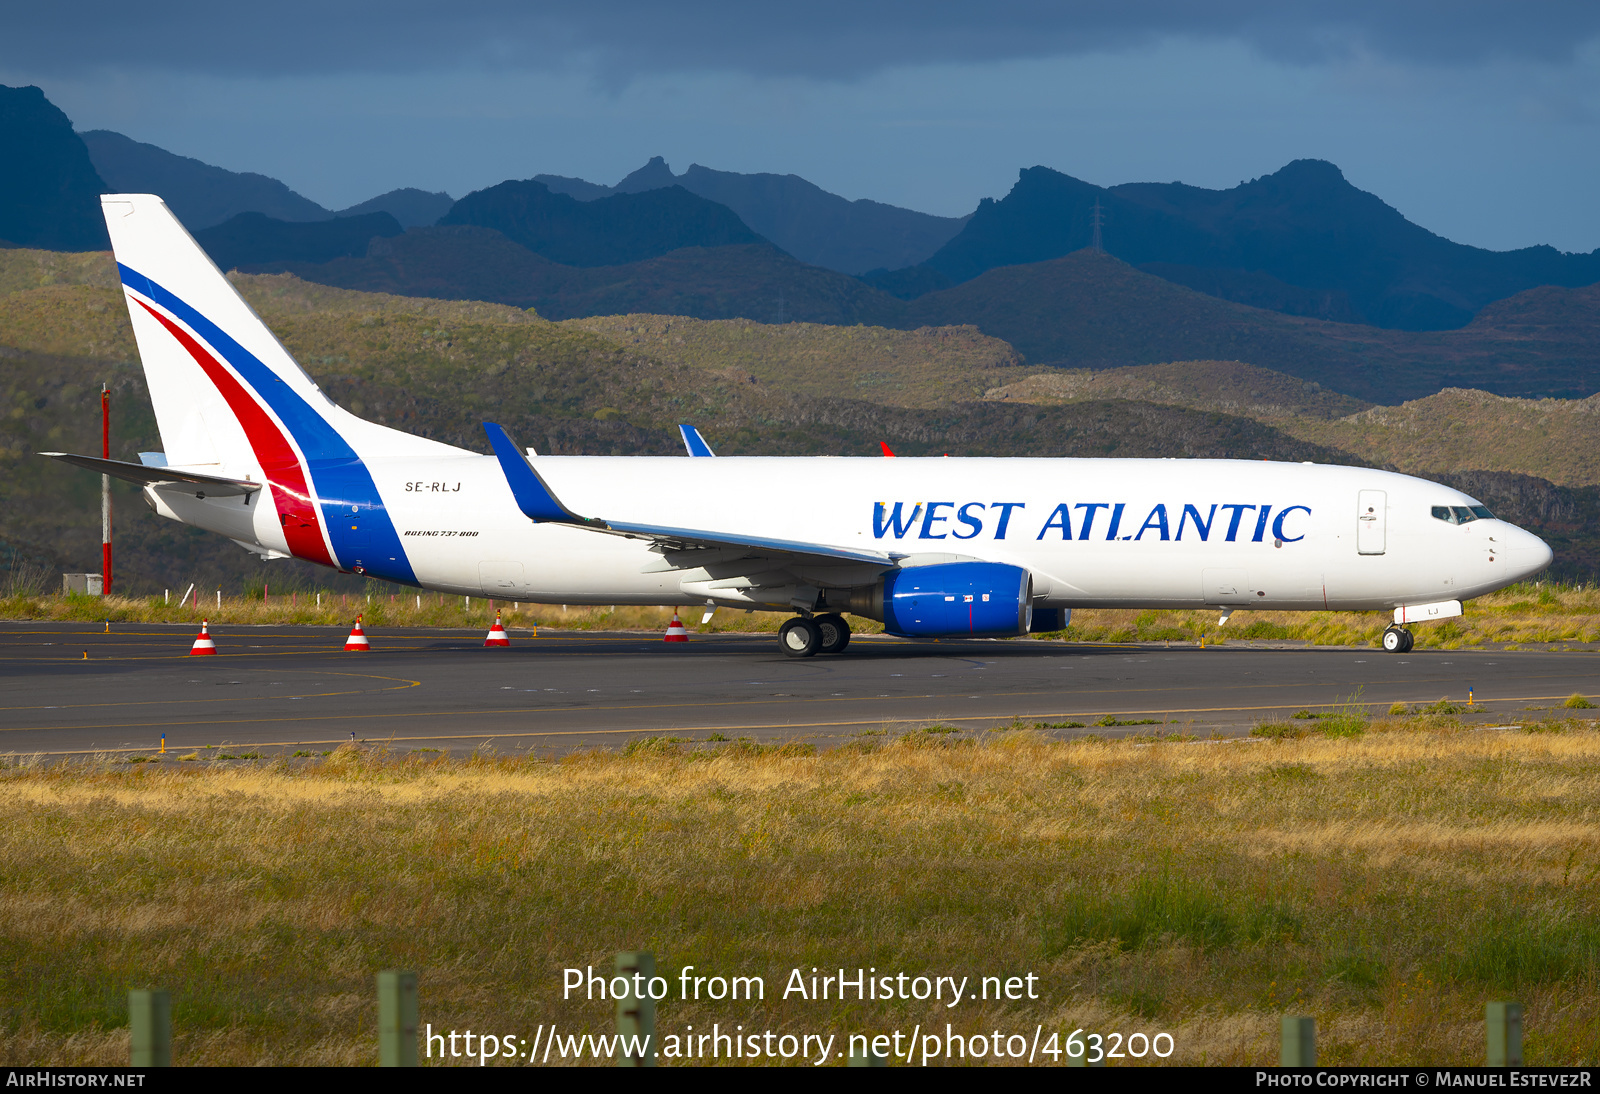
(357, 640)
(675, 630)
(497, 634)
(203, 646)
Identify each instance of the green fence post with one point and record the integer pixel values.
(397, 1019)
(1505, 1034)
(867, 1058)
(636, 1011)
(150, 1023)
(1299, 1047)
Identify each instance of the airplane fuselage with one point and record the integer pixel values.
(256, 451)
(1093, 532)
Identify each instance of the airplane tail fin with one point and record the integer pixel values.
(225, 390)
(217, 376)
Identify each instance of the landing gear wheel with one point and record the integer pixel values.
(1411, 640)
(835, 633)
(1396, 640)
(800, 637)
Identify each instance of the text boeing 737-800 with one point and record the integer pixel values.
(931, 547)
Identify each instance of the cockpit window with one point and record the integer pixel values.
(1461, 514)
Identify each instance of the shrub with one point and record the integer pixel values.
(1278, 731)
(1577, 702)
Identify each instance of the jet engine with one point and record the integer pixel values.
(979, 599)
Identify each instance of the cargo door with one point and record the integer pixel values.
(1372, 507)
(352, 536)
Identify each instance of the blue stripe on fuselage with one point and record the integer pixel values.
(344, 485)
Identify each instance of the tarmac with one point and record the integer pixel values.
(74, 690)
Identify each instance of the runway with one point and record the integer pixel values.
(71, 689)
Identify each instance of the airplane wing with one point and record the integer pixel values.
(539, 504)
(695, 443)
(216, 486)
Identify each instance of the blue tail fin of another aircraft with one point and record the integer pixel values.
(695, 443)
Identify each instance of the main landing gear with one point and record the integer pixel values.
(801, 637)
(1397, 640)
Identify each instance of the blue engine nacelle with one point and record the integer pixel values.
(982, 599)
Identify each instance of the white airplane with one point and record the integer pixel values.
(942, 547)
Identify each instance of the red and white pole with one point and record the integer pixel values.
(105, 491)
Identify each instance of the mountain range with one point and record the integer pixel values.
(203, 196)
(1302, 240)
(1086, 310)
(1297, 271)
(49, 191)
(608, 231)
(813, 225)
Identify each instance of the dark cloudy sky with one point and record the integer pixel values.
(1478, 120)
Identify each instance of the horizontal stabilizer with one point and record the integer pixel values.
(216, 486)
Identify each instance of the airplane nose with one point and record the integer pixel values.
(1526, 554)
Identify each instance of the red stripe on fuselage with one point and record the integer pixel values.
(278, 461)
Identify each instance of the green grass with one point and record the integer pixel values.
(1198, 889)
(1563, 615)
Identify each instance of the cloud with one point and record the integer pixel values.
(824, 39)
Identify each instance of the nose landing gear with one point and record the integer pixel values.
(801, 637)
(1397, 640)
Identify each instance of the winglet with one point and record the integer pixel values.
(695, 443)
(534, 497)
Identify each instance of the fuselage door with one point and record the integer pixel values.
(1371, 509)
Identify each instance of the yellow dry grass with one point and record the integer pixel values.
(1527, 613)
(1388, 884)
(386, 610)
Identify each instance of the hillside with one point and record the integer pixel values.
(198, 193)
(28, 268)
(815, 226)
(413, 208)
(1087, 310)
(1302, 239)
(254, 239)
(49, 192)
(1555, 439)
(1091, 310)
(439, 368)
(928, 367)
(753, 281)
(1228, 386)
(609, 231)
